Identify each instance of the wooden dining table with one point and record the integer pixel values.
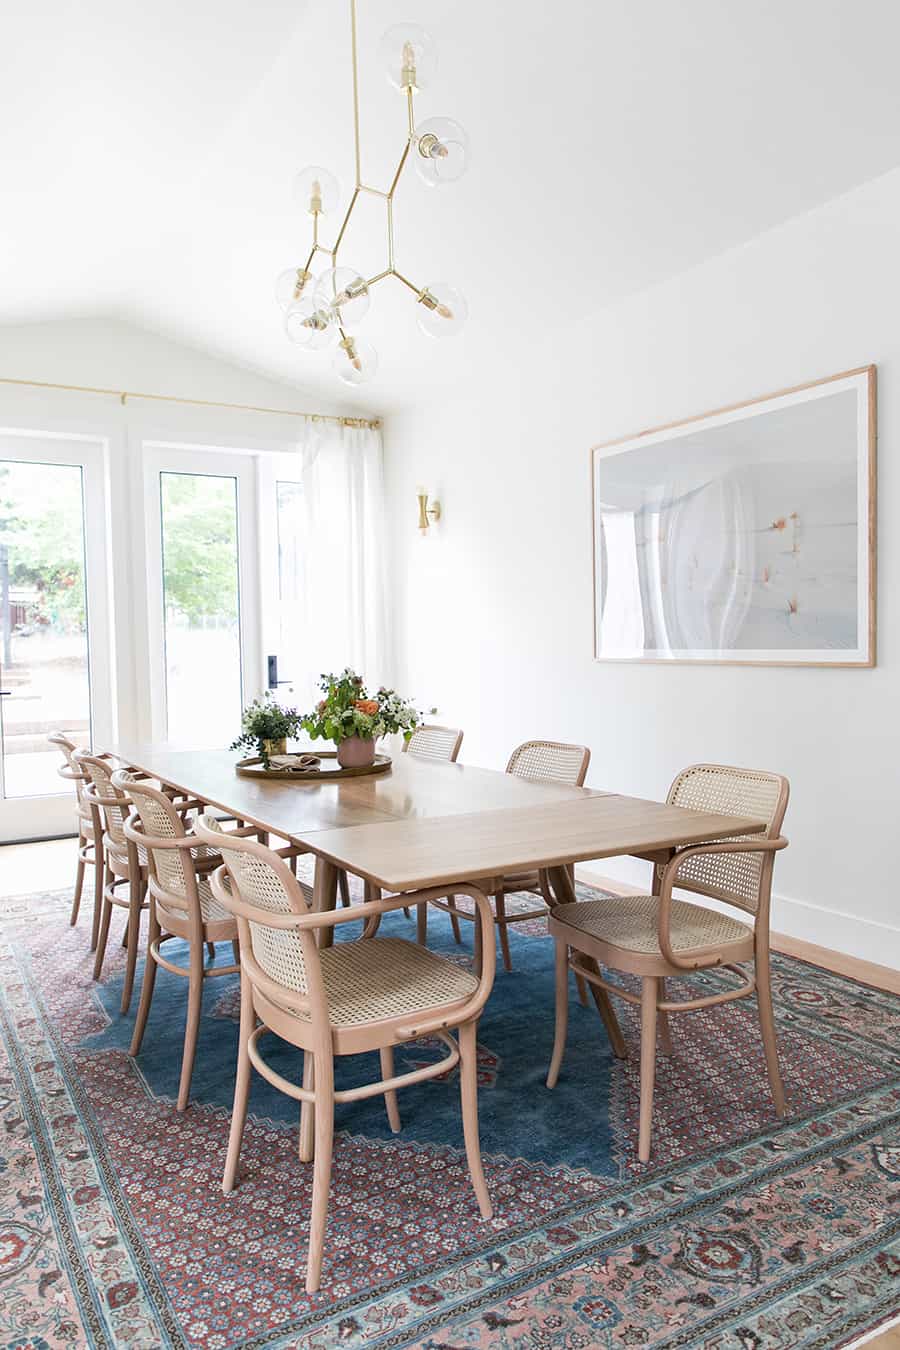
(424, 824)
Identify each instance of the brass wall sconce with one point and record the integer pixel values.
(428, 515)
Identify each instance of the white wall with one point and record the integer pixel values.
(493, 609)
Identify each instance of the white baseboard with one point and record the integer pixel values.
(797, 920)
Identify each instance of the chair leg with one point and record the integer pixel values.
(321, 1169)
(79, 883)
(236, 952)
(103, 934)
(406, 913)
(422, 924)
(153, 935)
(664, 1029)
(500, 907)
(241, 1088)
(581, 986)
(306, 1148)
(454, 923)
(192, 1025)
(562, 1013)
(134, 932)
(211, 950)
(648, 1062)
(387, 1071)
(99, 873)
(767, 1027)
(344, 888)
(468, 1084)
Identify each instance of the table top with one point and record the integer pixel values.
(425, 823)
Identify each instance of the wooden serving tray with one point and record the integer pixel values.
(253, 768)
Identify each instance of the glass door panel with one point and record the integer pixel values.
(56, 668)
(201, 606)
(44, 662)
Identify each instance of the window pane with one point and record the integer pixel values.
(201, 607)
(43, 622)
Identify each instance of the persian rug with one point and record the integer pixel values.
(743, 1231)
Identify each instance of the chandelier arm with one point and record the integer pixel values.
(411, 118)
(376, 192)
(345, 222)
(390, 232)
(388, 272)
(355, 92)
(396, 178)
(407, 282)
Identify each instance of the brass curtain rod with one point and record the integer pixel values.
(125, 394)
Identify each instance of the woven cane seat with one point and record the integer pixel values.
(629, 922)
(381, 978)
(210, 908)
(117, 850)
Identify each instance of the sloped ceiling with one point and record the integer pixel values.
(147, 153)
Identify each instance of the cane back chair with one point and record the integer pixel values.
(546, 761)
(441, 744)
(90, 850)
(656, 937)
(125, 863)
(341, 999)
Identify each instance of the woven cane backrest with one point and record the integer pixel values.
(100, 772)
(67, 749)
(278, 953)
(550, 760)
(733, 877)
(435, 743)
(159, 820)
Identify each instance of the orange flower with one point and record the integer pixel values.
(323, 704)
(367, 705)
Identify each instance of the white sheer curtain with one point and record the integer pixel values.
(341, 558)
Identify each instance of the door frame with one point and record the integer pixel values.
(210, 461)
(49, 816)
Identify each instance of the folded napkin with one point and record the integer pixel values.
(296, 763)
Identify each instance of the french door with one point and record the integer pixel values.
(55, 652)
(203, 648)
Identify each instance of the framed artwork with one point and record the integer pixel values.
(745, 535)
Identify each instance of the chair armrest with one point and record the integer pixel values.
(749, 844)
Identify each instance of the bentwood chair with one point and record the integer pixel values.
(125, 870)
(181, 905)
(656, 937)
(342, 999)
(441, 744)
(90, 850)
(546, 761)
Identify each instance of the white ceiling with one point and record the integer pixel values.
(147, 152)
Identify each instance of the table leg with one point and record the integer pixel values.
(325, 888)
(560, 886)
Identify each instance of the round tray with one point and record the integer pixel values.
(253, 768)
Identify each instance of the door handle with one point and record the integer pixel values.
(274, 682)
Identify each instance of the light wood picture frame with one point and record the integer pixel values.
(742, 536)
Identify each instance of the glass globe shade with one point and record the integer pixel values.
(291, 284)
(442, 311)
(442, 151)
(355, 361)
(408, 57)
(310, 325)
(345, 294)
(315, 189)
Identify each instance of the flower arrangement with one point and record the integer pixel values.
(265, 726)
(348, 713)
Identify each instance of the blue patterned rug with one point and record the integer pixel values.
(743, 1231)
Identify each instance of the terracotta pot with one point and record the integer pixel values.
(356, 752)
(276, 747)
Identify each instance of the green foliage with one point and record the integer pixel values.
(347, 710)
(200, 546)
(265, 720)
(41, 525)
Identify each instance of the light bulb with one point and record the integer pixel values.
(317, 191)
(290, 285)
(407, 56)
(345, 293)
(442, 151)
(355, 360)
(442, 310)
(310, 325)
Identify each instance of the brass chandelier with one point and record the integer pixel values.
(322, 312)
